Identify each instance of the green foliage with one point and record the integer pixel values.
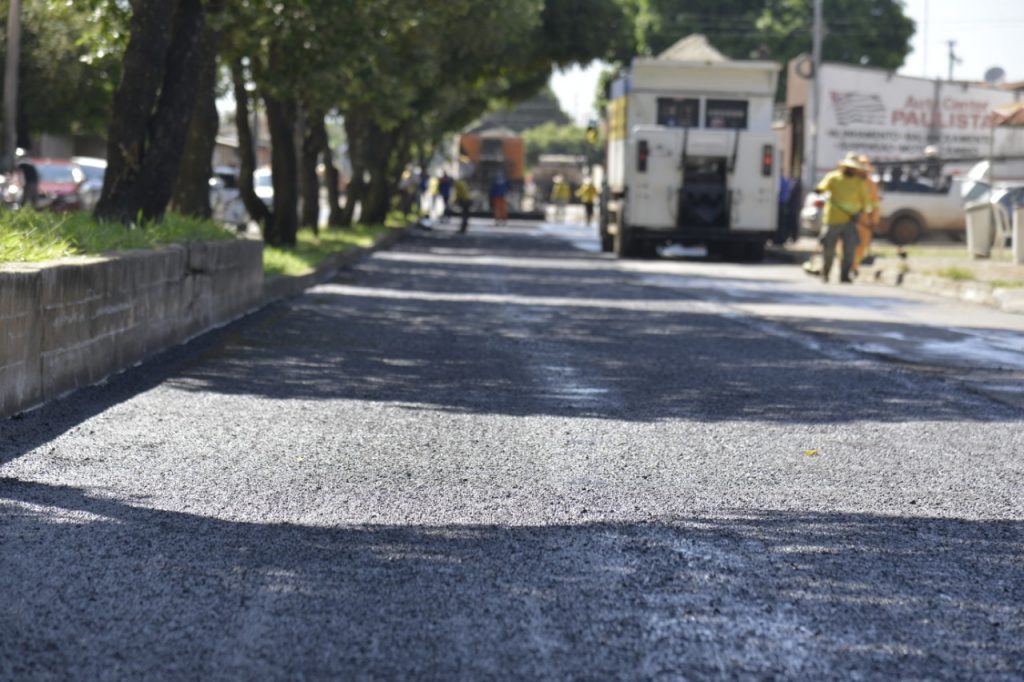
(868, 32)
(32, 236)
(311, 250)
(550, 138)
(957, 274)
(70, 63)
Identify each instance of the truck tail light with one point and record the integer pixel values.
(641, 156)
(767, 160)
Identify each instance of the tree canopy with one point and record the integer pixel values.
(869, 32)
(401, 74)
(70, 64)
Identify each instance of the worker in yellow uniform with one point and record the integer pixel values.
(587, 193)
(869, 218)
(848, 198)
(560, 195)
(463, 201)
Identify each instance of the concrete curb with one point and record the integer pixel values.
(70, 324)
(283, 286)
(1010, 300)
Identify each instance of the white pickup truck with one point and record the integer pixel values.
(910, 209)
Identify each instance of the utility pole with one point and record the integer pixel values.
(815, 90)
(924, 40)
(953, 59)
(11, 85)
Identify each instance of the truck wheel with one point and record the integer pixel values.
(905, 230)
(607, 241)
(718, 251)
(648, 249)
(753, 252)
(624, 246)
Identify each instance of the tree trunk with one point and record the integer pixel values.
(192, 191)
(356, 130)
(257, 210)
(309, 183)
(380, 146)
(282, 114)
(152, 109)
(332, 178)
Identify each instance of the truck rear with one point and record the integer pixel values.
(692, 157)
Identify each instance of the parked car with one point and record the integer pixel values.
(264, 186)
(225, 199)
(60, 182)
(94, 170)
(910, 209)
(913, 208)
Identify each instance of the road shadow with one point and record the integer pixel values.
(584, 340)
(528, 328)
(96, 588)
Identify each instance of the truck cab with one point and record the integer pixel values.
(692, 156)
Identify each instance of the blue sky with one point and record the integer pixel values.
(987, 33)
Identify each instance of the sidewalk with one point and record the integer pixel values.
(939, 267)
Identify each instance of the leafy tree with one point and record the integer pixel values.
(550, 138)
(71, 57)
(152, 108)
(870, 32)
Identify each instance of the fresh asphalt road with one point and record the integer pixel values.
(504, 456)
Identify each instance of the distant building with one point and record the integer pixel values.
(539, 109)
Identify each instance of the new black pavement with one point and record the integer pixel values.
(492, 456)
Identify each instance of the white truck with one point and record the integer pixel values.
(691, 156)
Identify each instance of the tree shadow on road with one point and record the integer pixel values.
(92, 587)
(587, 341)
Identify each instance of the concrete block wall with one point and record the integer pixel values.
(70, 323)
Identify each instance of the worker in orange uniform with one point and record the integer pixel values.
(869, 218)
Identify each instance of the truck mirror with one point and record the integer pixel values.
(641, 156)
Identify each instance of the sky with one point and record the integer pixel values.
(987, 33)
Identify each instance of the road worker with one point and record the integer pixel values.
(848, 198)
(560, 195)
(868, 222)
(587, 193)
(462, 199)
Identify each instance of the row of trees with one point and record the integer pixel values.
(400, 73)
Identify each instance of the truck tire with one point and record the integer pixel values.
(623, 244)
(752, 252)
(607, 241)
(905, 230)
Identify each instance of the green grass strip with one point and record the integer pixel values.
(28, 236)
(311, 250)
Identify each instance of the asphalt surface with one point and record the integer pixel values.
(503, 456)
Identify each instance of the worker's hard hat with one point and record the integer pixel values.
(851, 160)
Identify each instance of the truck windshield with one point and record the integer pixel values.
(726, 113)
(678, 112)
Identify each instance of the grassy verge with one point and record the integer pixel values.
(28, 236)
(311, 250)
(956, 274)
(949, 251)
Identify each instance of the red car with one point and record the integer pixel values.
(59, 184)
